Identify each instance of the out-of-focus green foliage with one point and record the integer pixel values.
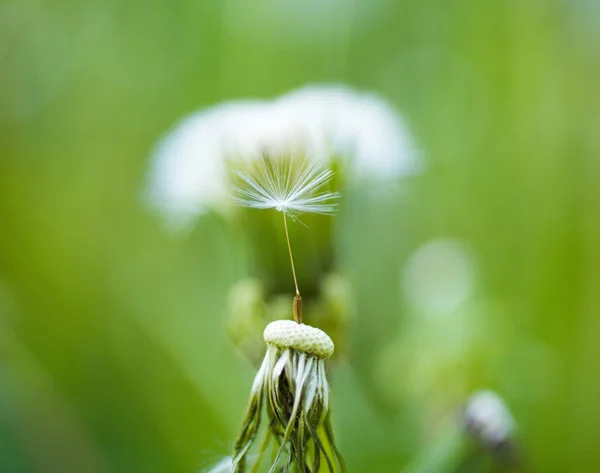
(113, 350)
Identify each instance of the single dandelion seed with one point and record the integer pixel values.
(292, 188)
(288, 186)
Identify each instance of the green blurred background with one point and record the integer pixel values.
(113, 351)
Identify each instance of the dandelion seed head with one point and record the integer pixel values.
(189, 166)
(292, 386)
(487, 417)
(287, 185)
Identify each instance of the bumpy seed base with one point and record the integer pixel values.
(304, 338)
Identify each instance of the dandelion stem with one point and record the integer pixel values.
(297, 298)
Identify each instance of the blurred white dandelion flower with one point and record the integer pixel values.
(487, 417)
(276, 185)
(361, 128)
(189, 169)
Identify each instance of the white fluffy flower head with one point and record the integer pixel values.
(189, 170)
(488, 418)
(287, 185)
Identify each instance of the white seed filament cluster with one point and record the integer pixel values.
(300, 337)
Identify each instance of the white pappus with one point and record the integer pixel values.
(275, 184)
